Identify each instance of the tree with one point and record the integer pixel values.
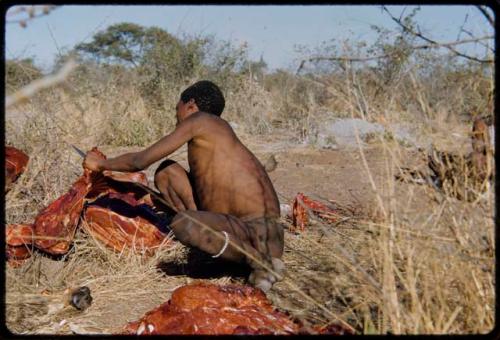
(125, 43)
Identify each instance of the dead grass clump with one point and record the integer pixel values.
(423, 266)
(123, 286)
(251, 107)
(432, 280)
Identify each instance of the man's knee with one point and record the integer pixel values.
(166, 170)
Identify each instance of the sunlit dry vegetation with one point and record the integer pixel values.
(410, 259)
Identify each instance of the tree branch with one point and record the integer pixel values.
(382, 56)
(462, 29)
(448, 46)
(31, 10)
(486, 15)
(480, 43)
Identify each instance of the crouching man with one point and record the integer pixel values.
(226, 204)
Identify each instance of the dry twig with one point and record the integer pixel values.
(433, 43)
(31, 11)
(486, 15)
(31, 89)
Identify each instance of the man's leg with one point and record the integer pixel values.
(267, 236)
(173, 182)
(228, 237)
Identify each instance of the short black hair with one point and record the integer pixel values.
(207, 96)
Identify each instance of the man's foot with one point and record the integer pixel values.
(263, 279)
(263, 285)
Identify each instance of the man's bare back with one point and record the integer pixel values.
(227, 177)
(226, 204)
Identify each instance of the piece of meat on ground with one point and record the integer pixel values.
(55, 226)
(121, 221)
(211, 309)
(203, 308)
(15, 164)
(18, 243)
(120, 213)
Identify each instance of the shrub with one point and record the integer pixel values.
(19, 73)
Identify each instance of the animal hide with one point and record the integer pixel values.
(15, 164)
(116, 212)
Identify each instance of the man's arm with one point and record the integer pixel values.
(136, 161)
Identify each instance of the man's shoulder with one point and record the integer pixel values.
(207, 118)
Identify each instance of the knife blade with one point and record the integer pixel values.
(78, 151)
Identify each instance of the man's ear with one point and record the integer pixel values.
(192, 105)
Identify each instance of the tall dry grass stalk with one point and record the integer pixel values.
(439, 283)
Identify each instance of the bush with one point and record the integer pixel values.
(19, 73)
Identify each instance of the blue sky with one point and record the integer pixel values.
(271, 31)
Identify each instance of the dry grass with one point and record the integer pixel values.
(425, 268)
(414, 262)
(118, 283)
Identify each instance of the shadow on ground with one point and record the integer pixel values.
(200, 265)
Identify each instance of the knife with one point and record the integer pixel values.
(153, 193)
(80, 152)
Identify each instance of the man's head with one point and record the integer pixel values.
(202, 96)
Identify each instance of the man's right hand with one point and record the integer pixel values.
(93, 162)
